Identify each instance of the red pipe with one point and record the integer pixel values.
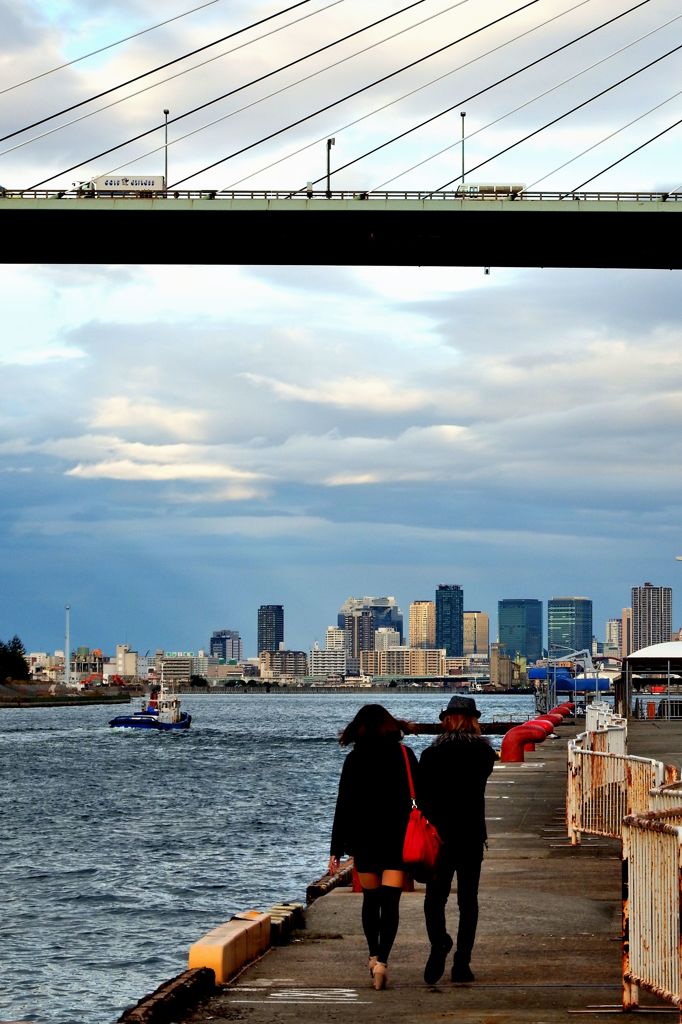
(522, 737)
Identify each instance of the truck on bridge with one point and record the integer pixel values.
(116, 184)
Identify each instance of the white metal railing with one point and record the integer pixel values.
(667, 796)
(602, 788)
(605, 731)
(652, 906)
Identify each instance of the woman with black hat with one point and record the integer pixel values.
(372, 810)
(453, 772)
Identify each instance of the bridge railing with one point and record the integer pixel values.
(652, 906)
(356, 195)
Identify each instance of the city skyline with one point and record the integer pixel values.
(182, 444)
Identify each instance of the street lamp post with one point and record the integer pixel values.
(330, 143)
(165, 151)
(462, 114)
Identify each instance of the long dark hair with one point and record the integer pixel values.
(372, 722)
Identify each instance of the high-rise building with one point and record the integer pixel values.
(423, 624)
(569, 625)
(385, 612)
(226, 644)
(519, 627)
(651, 615)
(336, 639)
(626, 633)
(613, 637)
(270, 627)
(385, 638)
(450, 619)
(476, 633)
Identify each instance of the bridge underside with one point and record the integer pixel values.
(162, 232)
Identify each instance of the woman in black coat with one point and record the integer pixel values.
(372, 809)
(453, 772)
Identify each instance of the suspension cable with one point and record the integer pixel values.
(627, 155)
(145, 74)
(232, 92)
(357, 92)
(487, 88)
(109, 46)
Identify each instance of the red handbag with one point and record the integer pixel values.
(422, 843)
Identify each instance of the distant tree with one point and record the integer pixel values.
(13, 664)
(198, 681)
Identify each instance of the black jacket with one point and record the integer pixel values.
(453, 773)
(373, 803)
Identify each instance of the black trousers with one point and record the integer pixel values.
(467, 865)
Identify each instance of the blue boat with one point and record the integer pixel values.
(159, 712)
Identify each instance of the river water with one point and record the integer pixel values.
(120, 848)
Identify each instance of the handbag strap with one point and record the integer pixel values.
(409, 774)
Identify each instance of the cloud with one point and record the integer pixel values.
(372, 394)
(119, 411)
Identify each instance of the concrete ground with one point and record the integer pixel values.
(548, 944)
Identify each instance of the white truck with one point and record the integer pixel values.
(117, 184)
(488, 191)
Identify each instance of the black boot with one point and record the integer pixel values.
(460, 970)
(435, 965)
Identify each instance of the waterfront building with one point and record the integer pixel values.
(281, 663)
(403, 661)
(500, 667)
(450, 619)
(422, 624)
(626, 633)
(126, 662)
(176, 670)
(651, 616)
(270, 627)
(384, 637)
(569, 625)
(384, 610)
(328, 662)
(519, 627)
(226, 644)
(476, 633)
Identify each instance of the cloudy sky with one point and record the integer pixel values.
(181, 444)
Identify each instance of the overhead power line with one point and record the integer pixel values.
(480, 92)
(109, 46)
(356, 92)
(160, 67)
(232, 92)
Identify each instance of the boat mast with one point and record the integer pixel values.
(67, 648)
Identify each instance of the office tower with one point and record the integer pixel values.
(359, 625)
(651, 615)
(384, 610)
(270, 627)
(226, 644)
(626, 632)
(423, 624)
(519, 627)
(476, 633)
(569, 625)
(450, 619)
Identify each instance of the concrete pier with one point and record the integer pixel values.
(548, 945)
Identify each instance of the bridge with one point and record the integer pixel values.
(533, 229)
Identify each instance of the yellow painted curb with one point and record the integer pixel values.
(231, 945)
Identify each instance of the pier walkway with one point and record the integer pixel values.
(548, 945)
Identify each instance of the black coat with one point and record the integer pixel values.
(453, 773)
(373, 805)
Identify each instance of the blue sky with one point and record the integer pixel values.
(179, 445)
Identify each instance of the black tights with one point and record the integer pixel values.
(380, 918)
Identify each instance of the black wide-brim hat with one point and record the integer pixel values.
(461, 706)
